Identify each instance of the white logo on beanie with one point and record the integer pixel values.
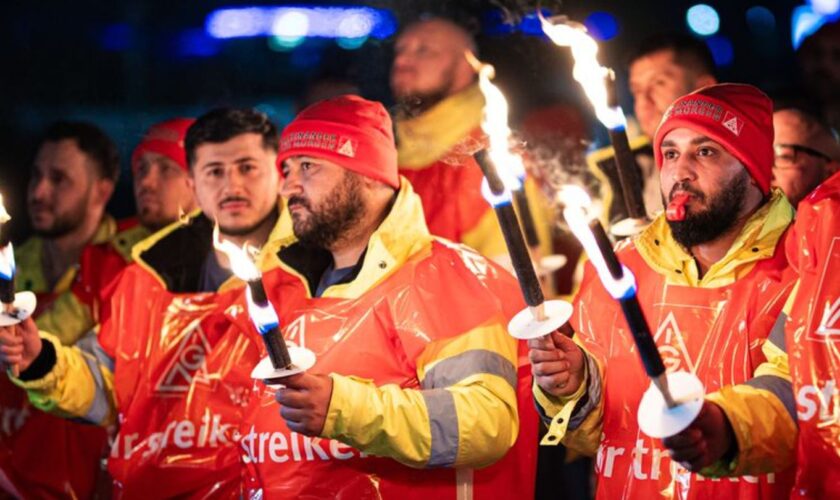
(732, 122)
(347, 148)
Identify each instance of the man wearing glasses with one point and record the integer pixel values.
(807, 153)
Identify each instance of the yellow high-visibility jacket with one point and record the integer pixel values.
(425, 375)
(721, 328)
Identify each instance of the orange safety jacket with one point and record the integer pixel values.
(42, 455)
(812, 337)
(716, 327)
(166, 369)
(426, 380)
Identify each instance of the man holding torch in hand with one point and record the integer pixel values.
(712, 278)
(166, 363)
(415, 390)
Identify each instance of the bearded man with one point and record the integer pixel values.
(711, 282)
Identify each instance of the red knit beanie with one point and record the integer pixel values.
(737, 116)
(349, 130)
(167, 139)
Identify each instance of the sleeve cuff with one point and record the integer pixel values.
(44, 372)
(556, 412)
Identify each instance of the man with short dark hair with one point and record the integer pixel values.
(172, 331)
(807, 152)
(661, 69)
(73, 176)
(711, 284)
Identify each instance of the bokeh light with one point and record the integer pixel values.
(602, 25)
(703, 19)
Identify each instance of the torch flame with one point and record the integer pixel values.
(4, 215)
(241, 262)
(495, 124)
(587, 71)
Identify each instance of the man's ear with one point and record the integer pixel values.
(103, 189)
(191, 181)
(831, 168)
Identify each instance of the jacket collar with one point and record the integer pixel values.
(174, 255)
(428, 137)
(757, 241)
(30, 274)
(402, 234)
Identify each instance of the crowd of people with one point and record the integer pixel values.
(132, 379)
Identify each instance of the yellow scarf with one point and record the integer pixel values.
(758, 240)
(427, 138)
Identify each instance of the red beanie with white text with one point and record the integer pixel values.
(739, 117)
(351, 131)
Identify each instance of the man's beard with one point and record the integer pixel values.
(715, 221)
(414, 103)
(65, 223)
(340, 211)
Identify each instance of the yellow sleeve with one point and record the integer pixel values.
(576, 420)
(66, 318)
(463, 415)
(487, 239)
(762, 413)
(79, 385)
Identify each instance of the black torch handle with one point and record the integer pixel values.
(517, 249)
(625, 161)
(628, 174)
(495, 183)
(278, 353)
(526, 218)
(519, 256)
(605, 245)
(648, 351)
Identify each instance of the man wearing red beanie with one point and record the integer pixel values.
(712, 279)
(414, 391)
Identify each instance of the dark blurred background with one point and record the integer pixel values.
(126, 64)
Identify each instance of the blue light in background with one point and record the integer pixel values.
(803, 23)
(195, 43)
(291, 22)
(760, 20)
(117, 37)
(530, 24)
(825, 7)
(703, 19)
(289, 30)
(721, 49)
(238, 23)
(602, 25)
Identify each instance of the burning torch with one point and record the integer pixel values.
(674, 400)
(16, 306)
(595, 79)
(542, 317)
(282, 360)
